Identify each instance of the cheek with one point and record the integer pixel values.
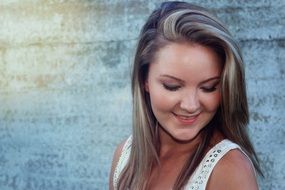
(212, 102)
(160, 100)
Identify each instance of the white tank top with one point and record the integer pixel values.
(200, 177)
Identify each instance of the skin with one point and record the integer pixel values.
(183, 84)
(241, 175)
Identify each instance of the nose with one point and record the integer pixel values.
(190, 102)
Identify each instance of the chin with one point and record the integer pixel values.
(184, 137)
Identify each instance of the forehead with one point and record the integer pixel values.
(185, 60)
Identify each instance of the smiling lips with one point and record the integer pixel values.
(186, 120)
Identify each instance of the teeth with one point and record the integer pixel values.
(185, 117)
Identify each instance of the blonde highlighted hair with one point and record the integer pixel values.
(180, 22)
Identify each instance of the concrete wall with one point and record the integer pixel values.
(65, 87)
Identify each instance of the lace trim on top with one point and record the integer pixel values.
(200, 177)
(124, 157)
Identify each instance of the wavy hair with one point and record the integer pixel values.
(180, 22)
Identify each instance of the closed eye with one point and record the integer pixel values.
(171, 87)
(209, 89)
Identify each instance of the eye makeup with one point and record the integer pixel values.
(170, 87)
(211, 88)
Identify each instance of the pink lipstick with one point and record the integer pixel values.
(186, 120)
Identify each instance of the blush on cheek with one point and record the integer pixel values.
(161, 101)
(158, 102)
(211, 102)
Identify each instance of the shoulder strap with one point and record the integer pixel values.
(124, 157)
(201, 175)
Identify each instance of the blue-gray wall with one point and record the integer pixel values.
(65, 86)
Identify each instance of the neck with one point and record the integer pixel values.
(170, 147)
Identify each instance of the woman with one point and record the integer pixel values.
(190, 109)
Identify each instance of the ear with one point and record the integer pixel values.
(146, 86)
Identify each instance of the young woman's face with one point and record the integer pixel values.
(184, 87)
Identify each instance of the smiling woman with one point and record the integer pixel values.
(183, 85)
(190, 107)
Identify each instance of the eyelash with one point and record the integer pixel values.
(175, 88)
(171, 88)
(208, 90)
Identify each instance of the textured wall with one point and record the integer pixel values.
(65, 87)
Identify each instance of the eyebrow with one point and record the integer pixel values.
(182, 81)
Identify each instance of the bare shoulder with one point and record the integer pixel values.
(115, 161)
(233, 171)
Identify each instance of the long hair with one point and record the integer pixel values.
(180, 22)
